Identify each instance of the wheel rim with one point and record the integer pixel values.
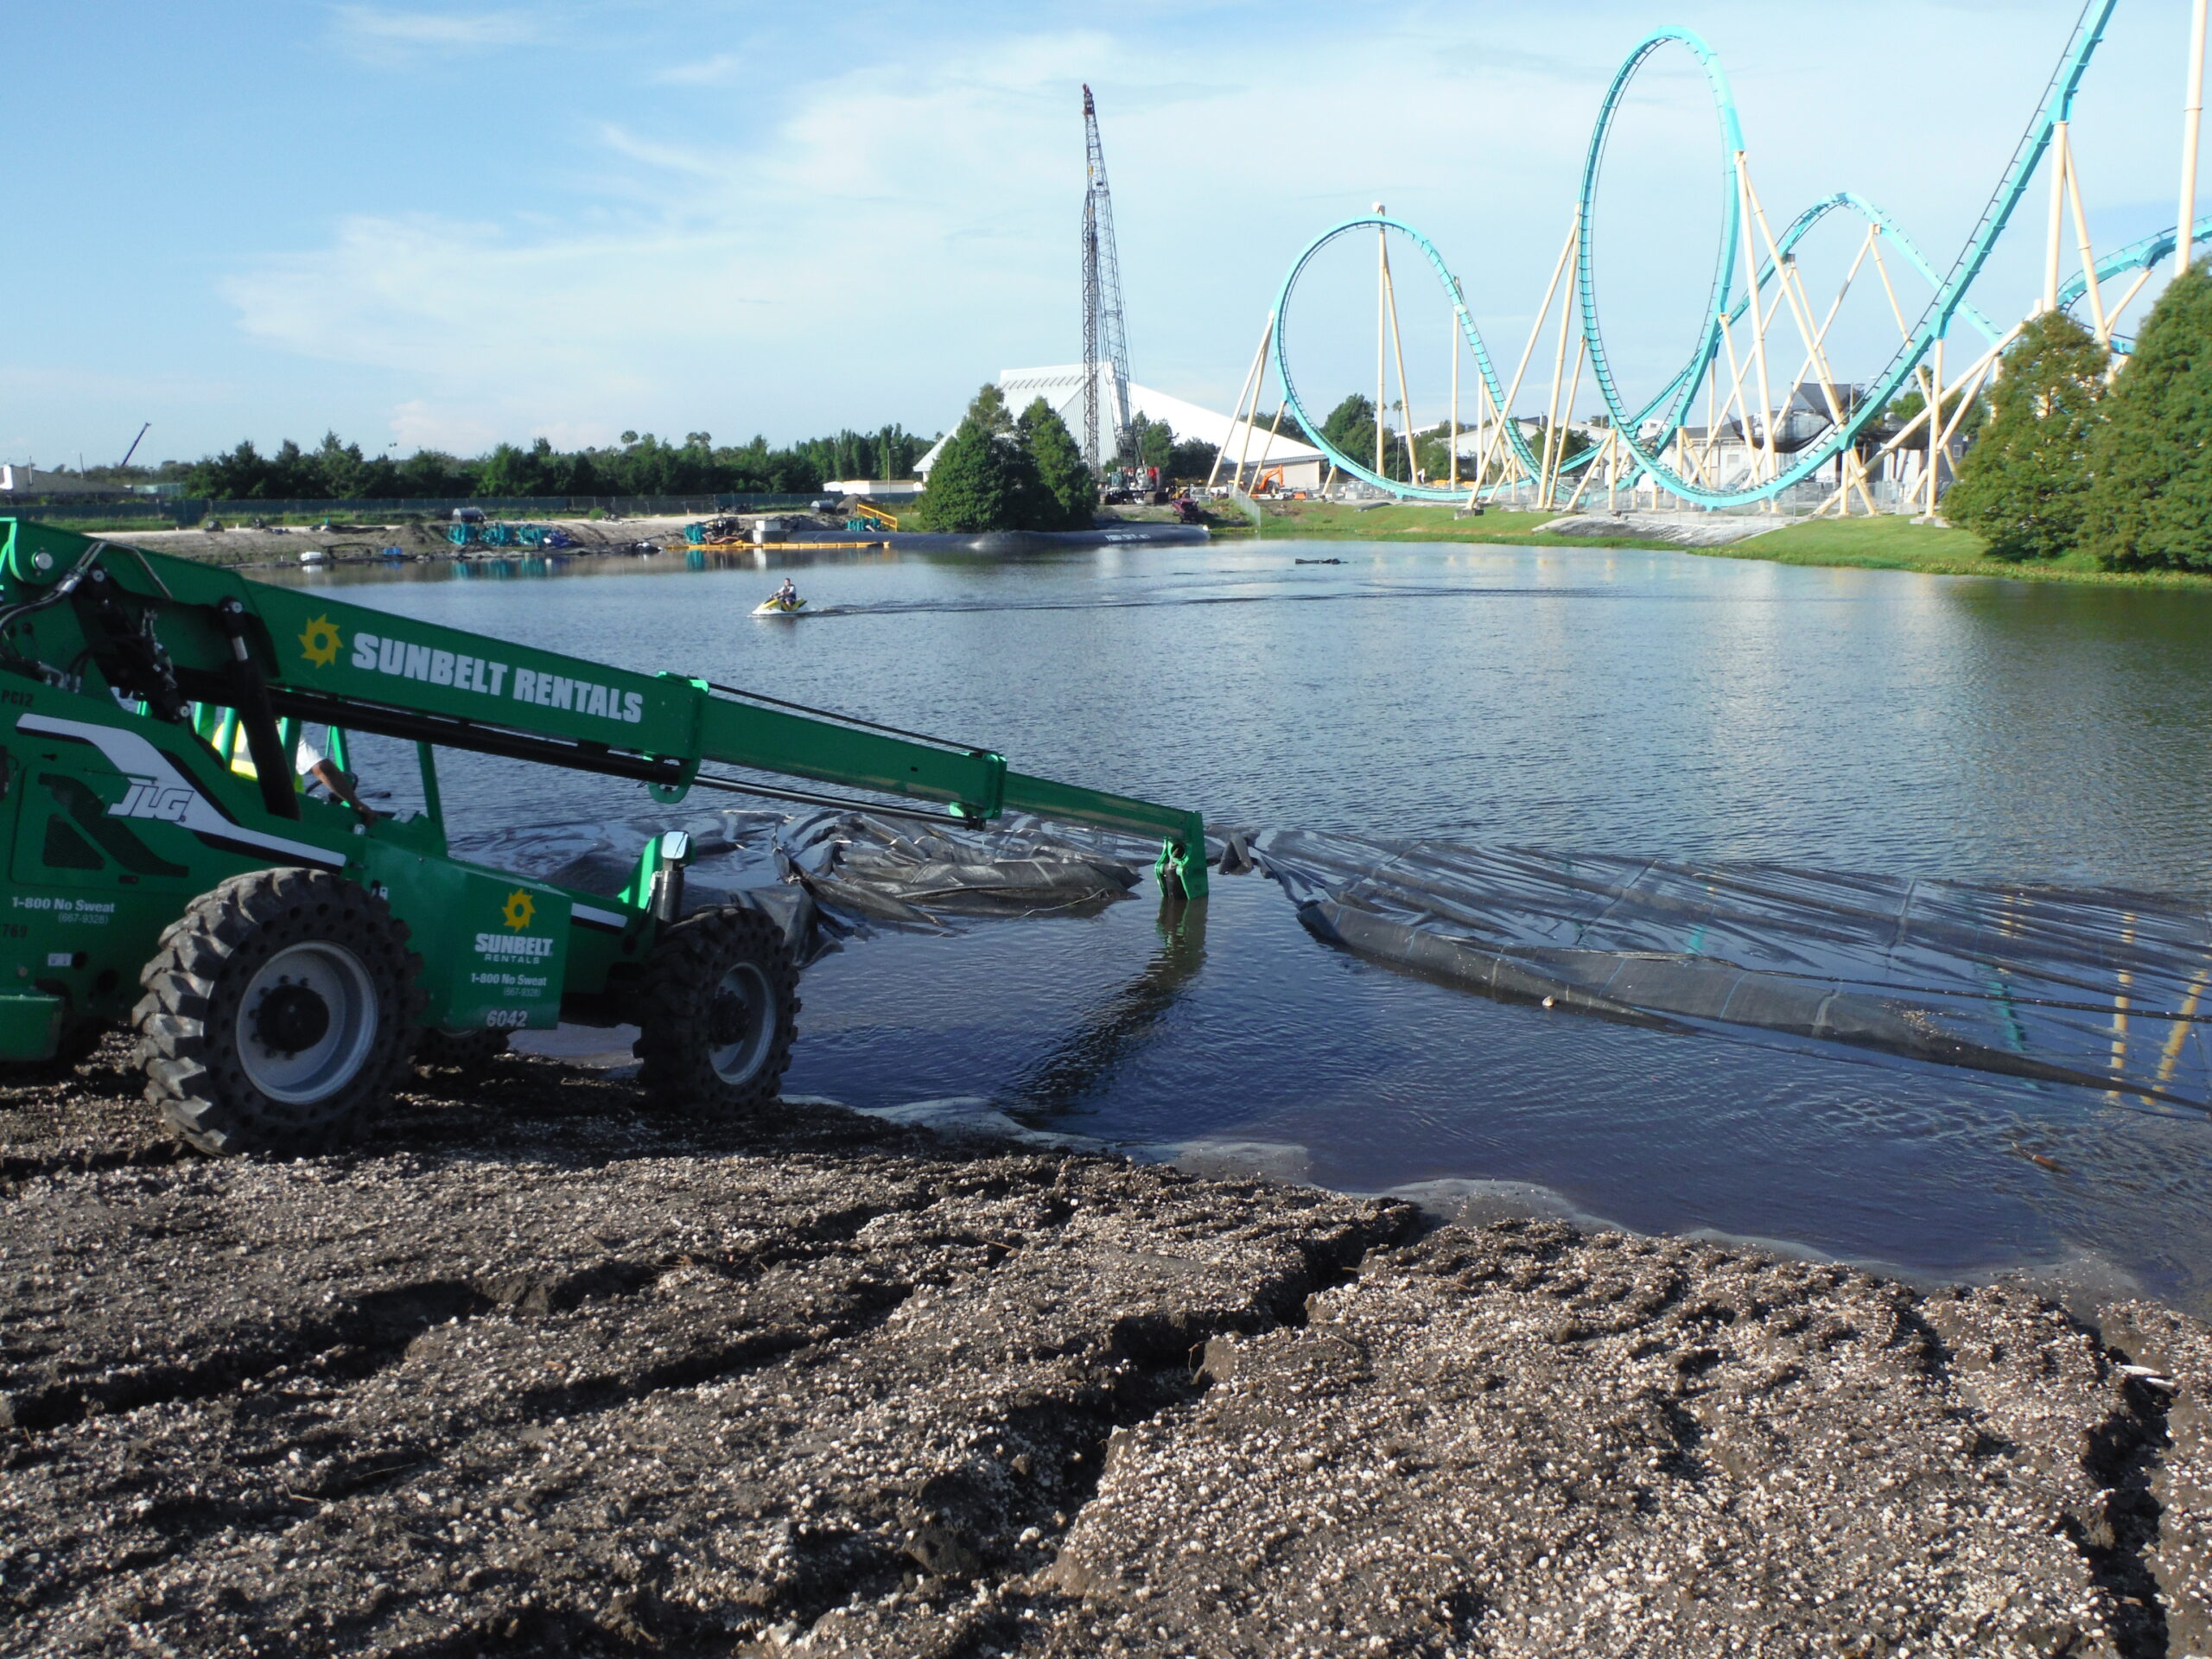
(306, 1023)
(740, 1020)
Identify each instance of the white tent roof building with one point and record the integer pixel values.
(1061, 386)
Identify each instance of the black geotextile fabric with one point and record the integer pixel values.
(2091, 987)
(2099, 988)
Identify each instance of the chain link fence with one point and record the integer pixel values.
(184, 510)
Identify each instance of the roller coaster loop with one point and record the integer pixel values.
(1649, 442)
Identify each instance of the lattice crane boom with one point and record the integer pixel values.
(1105, 342)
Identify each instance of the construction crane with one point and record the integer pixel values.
(281, 956)
(1105, 345)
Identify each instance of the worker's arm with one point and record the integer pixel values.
(313, 763)
(341, 786)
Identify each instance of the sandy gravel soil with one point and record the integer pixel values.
(536, 1368)
(237, 543)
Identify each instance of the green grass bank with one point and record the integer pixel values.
(1884, 544)
(1334, 521)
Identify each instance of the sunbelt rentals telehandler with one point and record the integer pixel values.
(281, 956)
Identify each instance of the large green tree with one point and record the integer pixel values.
(2025, 485)
(983, 480)
(1350, 428)
(1192, 458)
(1067, 495)
(2151, 504)
(1153, 443)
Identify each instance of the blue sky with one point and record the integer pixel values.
(448, 225)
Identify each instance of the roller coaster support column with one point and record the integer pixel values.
(1459, 321)
(2192, 119)
(1253, 379)
(1398, 353)
(1381, 334)
(1935, 417)
(2057, 215)
(1759, 316)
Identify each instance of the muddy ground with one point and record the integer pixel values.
(539, 1369)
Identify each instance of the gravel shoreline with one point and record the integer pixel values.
(538, 1368)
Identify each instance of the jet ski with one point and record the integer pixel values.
(772, 606)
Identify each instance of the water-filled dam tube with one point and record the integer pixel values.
(2098, 989)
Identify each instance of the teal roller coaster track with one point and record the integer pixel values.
(1646, 433)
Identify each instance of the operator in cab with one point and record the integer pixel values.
(314, 768)
(318, 767)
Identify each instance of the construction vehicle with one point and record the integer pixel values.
(867, 516)
(280, 954)
(724, 531)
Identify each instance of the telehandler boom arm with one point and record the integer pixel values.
(171, 632)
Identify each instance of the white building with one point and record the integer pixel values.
(876, 489)
(22, 481)
(1301, 466)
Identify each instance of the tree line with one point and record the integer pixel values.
(641, 464)
(2072, 458)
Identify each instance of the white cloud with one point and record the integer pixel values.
(382, 36)
(720, 70)
(671, 158)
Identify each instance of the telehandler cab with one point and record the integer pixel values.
(279, 957)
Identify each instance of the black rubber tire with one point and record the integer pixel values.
(188, 1020)
(464, 1054)
(678, 1014)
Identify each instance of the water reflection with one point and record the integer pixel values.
(1086, 1061)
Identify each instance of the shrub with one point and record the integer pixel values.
(2023, 486)
(2151, 502)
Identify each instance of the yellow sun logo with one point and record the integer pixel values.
(320, 642)
(521, 910)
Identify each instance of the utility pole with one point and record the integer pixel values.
(1105, 345)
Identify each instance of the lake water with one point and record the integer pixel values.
(1650, 703)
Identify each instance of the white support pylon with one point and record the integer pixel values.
(2192, 121)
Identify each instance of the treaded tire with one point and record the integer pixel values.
(684, 1019)
(466, 1054)
(190, 1020)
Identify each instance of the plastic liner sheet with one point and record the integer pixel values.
(909, 874)
(825, 876)
(2093, 987)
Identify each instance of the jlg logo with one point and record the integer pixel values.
(149, 799)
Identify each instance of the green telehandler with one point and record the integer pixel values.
(280, 956)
